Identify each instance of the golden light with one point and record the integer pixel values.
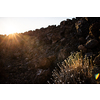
(10, 30)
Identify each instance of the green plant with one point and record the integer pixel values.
(74, 70)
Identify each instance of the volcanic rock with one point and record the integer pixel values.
(81, 47)
(56, 37)
(39, 51)
(82, 27)
(42, 76)
(91, 44)
(82, 40)
(89, 54)
(97, 60)
(94, 30)
(44, 63)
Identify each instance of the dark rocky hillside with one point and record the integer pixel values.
(30, 57)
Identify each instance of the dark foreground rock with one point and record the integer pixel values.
(91, 44)
(97, 60)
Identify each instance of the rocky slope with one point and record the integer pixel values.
(30, 57)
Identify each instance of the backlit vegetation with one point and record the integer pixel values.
(76, 69)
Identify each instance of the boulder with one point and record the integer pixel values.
(56, 37)
(81, 47)
(42, 76)
(88, 37)
(82, 40)
(49, 36)
(63, 41)
(92, 20)
(97, 60)
(94, 30)
(39, 71)
(62, 54)
(82, 27)
(89, 54)
(47, 41)
(44, 63)
(91, 44)
(52, 58)
(63, 23)
(62, 33)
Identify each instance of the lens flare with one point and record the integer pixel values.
(97, 76)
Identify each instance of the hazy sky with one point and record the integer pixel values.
(21, 24)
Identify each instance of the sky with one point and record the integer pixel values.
(9, 25)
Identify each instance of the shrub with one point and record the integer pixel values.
(74, 70)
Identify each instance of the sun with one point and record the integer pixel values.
(10, 30)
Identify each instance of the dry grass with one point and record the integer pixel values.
(74, 70)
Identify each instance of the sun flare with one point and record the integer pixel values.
(10, 30)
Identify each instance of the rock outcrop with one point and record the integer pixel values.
(94, 30)
(97, 60)
(91, 44)
(34, 54)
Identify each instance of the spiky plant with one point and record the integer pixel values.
(74, 70)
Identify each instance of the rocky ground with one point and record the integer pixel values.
(30, 57)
